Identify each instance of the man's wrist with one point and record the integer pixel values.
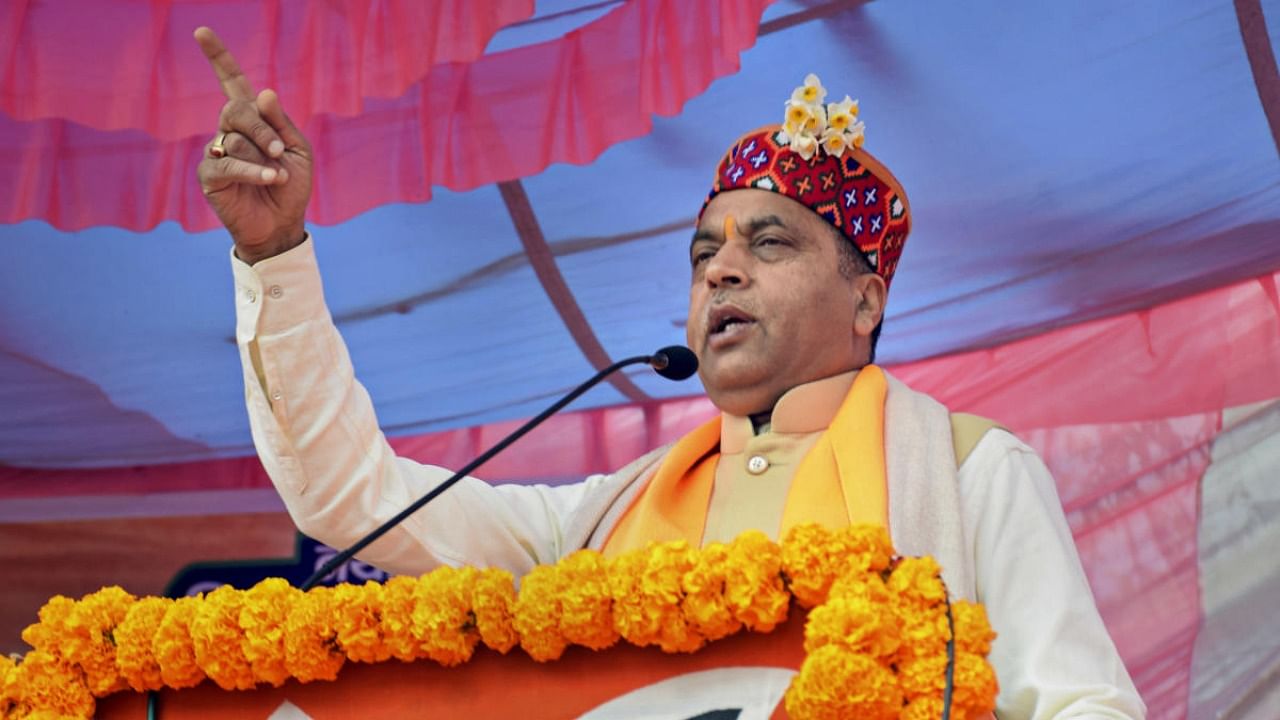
(257, 253)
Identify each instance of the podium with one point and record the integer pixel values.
(742, 676)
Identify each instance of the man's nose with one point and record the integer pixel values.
(728, 267)
(725, 269)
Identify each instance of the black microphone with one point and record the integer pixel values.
(674, 362)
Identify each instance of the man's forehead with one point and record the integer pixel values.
(750, 209)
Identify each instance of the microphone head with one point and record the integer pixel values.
(675, 362)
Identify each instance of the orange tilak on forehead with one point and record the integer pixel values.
(730, 228)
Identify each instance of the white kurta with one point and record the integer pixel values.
(316, 433)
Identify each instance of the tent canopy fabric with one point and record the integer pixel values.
(1066, 162)
(504, 197)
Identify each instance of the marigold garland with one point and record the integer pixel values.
(875, 638)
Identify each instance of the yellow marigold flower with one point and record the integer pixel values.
(44, 682)
(493, 600)
(923, 708)
(219, 641)
(88, 641)
(586, 616)
(397, 622)
(705, 605)
(134, 639)
(173, 647)
(813, 557)
(8, 690)
(924, 676)
(976, 687)
(569, 602)
(924, 629)
(310, 640)
(918, 580)
(262, 618)
(358, 620)
(754, 590)
(442, 622)
(834, 684)
(973, 632)
(47, 634)
(856, 624)
(646, 586)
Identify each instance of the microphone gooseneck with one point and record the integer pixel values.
(674, 362)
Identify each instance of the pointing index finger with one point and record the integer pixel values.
(234, 84)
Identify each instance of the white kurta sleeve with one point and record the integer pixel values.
(1053, 656)
(315, 431)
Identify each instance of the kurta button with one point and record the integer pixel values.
(253, 296)
(277, 292)
(276, 395)
(757, 464)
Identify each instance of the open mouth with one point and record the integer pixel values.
(728, 322)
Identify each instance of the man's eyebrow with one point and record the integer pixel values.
(701, 234)
(755, 225)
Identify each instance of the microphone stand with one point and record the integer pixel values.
(660, 361)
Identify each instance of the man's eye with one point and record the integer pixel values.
(701, 257)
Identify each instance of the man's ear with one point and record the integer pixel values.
(870, 295)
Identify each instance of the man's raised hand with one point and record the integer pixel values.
(256, 171)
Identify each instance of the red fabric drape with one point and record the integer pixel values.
(503, 116)
(134, 65)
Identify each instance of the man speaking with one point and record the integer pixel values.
(790, 267)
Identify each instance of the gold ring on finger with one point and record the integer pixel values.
(216, 149)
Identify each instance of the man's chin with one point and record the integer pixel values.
(736, 393)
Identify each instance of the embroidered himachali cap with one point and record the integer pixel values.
(815, 157)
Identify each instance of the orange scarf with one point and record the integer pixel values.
(847, 462)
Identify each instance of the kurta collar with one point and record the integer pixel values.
(804, 408)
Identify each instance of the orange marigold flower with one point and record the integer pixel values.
(754, 590)
(648, 596)
(89, 640)
(924, 708)
(311, 649)
(442, 622)
(975, 687)
(973, 632)
(357, 615)
(134, 638)
(8, 690)
(705, 605)
(834, 683)
(493, 599)
(173, 647)
(48, 633)
(45, 683)
(586, 608)
(918, 579)
(397, 621)
(219, 641)
(262, 618)
(924, 630)
(814, 557)
(924, 676)
(856, 624)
